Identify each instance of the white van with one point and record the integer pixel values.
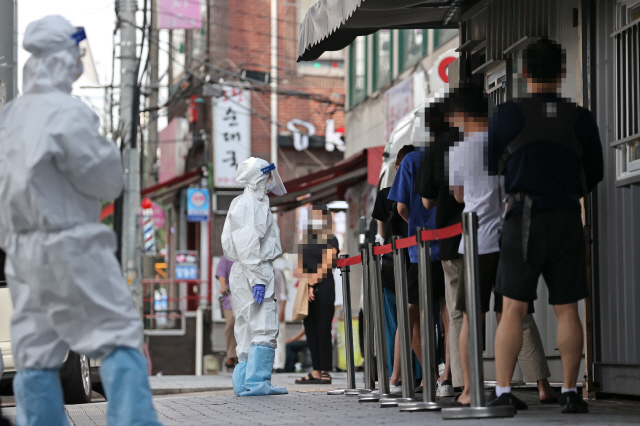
(77, 374)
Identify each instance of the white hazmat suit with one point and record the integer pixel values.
(251, 238)
(67, 287)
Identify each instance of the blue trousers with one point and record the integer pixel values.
(391, 326)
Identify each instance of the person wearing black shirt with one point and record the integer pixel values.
(433, 186)
(554, 157)
(317, 256)
(390, 223)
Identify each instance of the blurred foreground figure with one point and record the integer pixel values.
(66, 284)
(251, 239)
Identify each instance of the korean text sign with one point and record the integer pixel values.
(232, 135)
(198, 204)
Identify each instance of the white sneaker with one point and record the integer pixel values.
(395, 389)
(444, 389)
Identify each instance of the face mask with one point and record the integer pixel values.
(270, 184)
(317, 224)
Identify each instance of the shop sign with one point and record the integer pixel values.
(232, 134)
(187, 265)
(398, 102)
(179, 14)
(198, 204)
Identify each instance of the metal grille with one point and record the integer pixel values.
(627, 79)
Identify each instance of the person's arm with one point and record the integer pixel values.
(283, 304)
(403, 211)
(458, 193)
(592, 159)
(429, 203)
(223, 284)
(298, 336)
(381, 228)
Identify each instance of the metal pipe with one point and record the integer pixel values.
(199, 339)
(476, 377)
(366, 317)
(425, 288)
(348, 330)
(402, 292)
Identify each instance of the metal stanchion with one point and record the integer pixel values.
(476, 376)
(380, 340)
(348, 331)
(425, 284)
(402, 299)
(367, 327)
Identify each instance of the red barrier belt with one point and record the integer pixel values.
(349, 261)
(443, 233)
(429, 235)
(406, 242)
(380, 250)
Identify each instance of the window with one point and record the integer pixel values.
(357, 72)
(627, 91)
(382, 53)
(413, 47)
(440, 37)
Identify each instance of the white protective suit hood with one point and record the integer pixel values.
(251, 177)
(55, 61)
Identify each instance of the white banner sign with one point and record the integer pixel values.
(398, 102)
(232, 135)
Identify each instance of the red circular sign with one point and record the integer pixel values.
(442, 68)
(198, 199)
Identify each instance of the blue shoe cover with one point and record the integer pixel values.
(125, 381)
(238, 378)
(39, 398)
(258, 374)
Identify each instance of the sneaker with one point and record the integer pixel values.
(572, 403)
(505, 399)
(395, 388)
(444, 389)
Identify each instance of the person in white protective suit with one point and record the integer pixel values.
(66, 285)
(251, 238)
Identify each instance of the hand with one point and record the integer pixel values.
(311, 295)
(223, 291)
(258, 293)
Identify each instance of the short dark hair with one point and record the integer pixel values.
(544, 60)
(468, 98)
(404, 151)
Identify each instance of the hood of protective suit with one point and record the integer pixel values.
(251, 177)
(55, 59)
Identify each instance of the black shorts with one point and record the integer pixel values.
(437, 277)
(556, 250)
(388, 277)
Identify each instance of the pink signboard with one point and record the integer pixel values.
(179, 14)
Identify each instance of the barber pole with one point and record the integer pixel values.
(148, 227)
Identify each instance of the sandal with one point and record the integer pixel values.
(308, 380)
(325, 378)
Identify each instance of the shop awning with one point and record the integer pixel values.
(334, 24)
(162, 190)
(330, 184)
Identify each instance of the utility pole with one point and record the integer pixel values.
(8, 50)
(274, 82)
(129, 98)
(152, 152)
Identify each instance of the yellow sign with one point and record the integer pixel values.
(161, 269)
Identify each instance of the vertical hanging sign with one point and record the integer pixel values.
(232, 135)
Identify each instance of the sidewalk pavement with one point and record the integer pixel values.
(310, 406)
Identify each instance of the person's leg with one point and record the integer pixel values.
(446, 374)
(396, 375)
(569, 342)
(326, 308)
(230, 340)
(452, 272)
(508, 340)
(125, 381)
(390, 326)
(311, 331)
(39, 399)
(281, 351)
(416, 337)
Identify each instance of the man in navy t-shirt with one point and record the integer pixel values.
(412, 210)
(555, 159)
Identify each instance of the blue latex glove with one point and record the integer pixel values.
(258, 293)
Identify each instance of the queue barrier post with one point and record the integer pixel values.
(348, 331)
(477, 408)
(380, 340)
(425, 286)
(402, 310)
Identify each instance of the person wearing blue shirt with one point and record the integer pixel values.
(412, 210)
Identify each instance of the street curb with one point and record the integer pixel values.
(175, 391)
